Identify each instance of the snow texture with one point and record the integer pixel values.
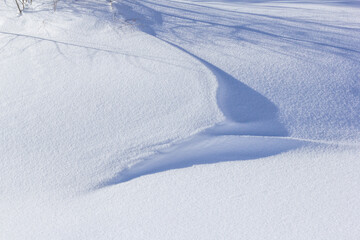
(132, 119)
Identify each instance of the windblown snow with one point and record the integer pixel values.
(180, 119)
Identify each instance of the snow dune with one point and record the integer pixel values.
(249, 112)
(172, 95)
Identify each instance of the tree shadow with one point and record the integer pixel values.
(283, 35)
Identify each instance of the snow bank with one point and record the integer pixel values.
(133, 119)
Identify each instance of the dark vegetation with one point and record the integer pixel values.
(21, 4)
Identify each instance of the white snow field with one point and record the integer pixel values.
(180, 119)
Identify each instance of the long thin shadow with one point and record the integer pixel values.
(248, 14)
(132, 9)
(57, 43)
(63, 43)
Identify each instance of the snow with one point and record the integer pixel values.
(144, 119)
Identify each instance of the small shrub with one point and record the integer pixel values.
(21, 4)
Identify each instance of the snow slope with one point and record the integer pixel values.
(81, 106)
(130, 120)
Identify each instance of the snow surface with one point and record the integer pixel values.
(132, 120)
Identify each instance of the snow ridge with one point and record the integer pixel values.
(249, 114)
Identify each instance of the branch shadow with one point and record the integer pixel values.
(284, 35)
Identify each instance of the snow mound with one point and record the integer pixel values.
(133, 119)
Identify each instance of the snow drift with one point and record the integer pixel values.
(130, 119)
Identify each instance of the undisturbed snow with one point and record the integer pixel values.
(144, 119)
